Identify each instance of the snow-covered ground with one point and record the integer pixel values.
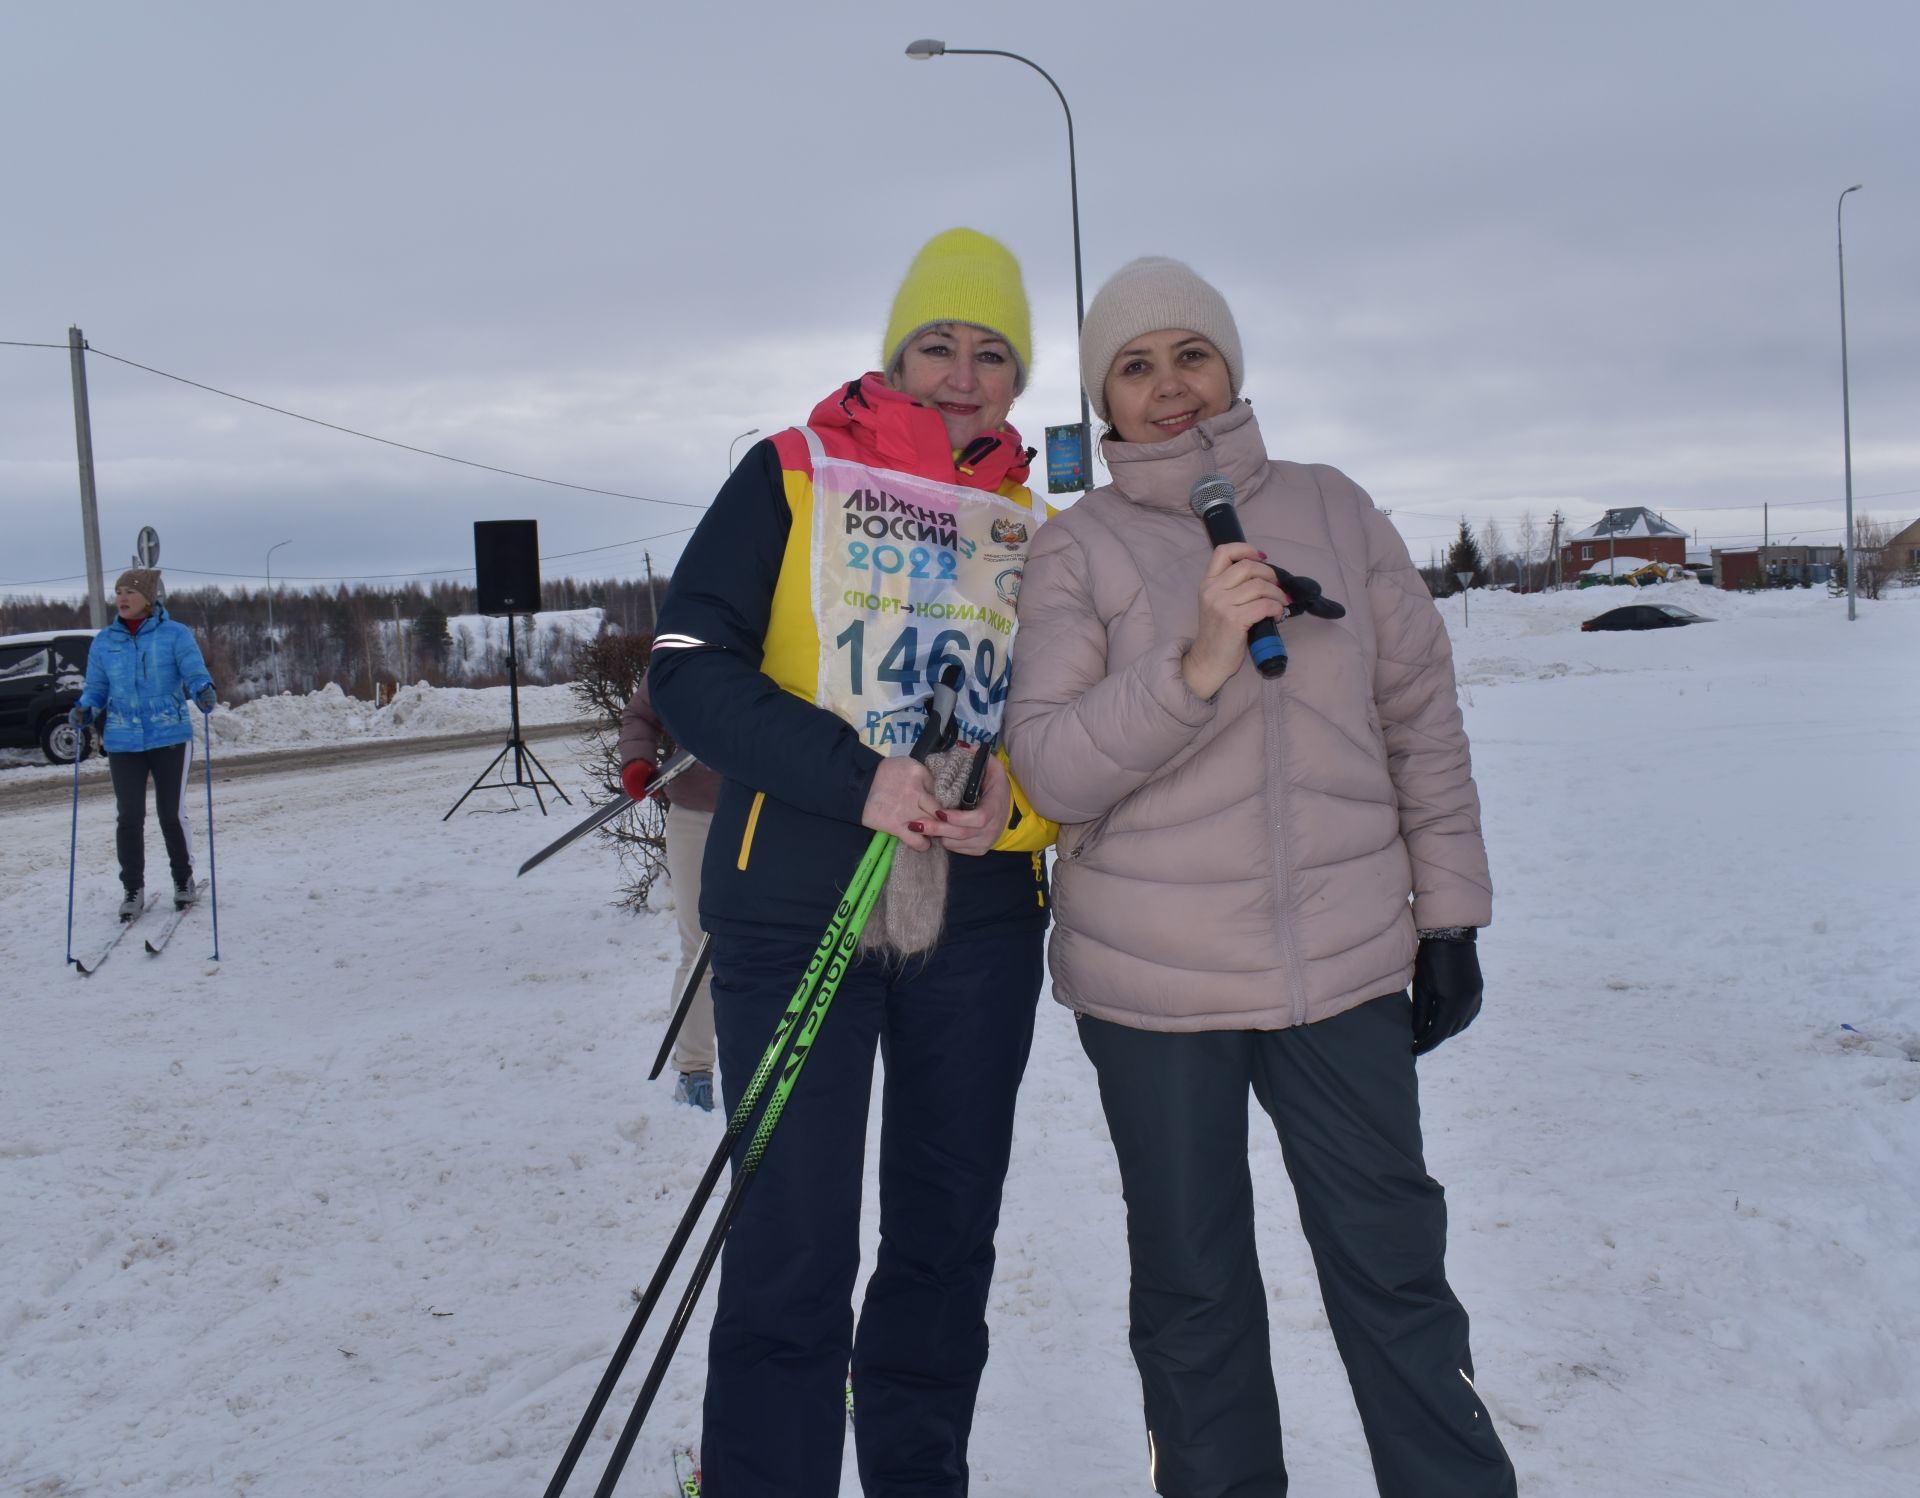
(359, 1207)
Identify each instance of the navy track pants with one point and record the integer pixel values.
(954, 1032)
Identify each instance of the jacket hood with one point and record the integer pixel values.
(895, 431)
(1161, 475)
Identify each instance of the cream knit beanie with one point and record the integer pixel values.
(1146, 296)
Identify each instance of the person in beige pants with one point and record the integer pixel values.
(690, 802)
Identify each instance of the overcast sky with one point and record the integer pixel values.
(1488, 258)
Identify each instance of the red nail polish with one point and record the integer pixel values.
(916, 827)
(941, 815)
(1263, 556)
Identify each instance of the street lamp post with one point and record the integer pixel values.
(273, 640)
(927, 48)
(1846, 406)
(749, 432)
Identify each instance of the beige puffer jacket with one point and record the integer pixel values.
(1243, 863)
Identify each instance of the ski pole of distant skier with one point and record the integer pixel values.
(213, 868)
(73, 843)
(737, 1124)
(750, 1164)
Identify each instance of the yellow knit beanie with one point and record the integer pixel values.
(962, 276)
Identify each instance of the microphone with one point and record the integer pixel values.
(1212, 500)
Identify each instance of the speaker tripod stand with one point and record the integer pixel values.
(528, 772)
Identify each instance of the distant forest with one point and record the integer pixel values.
(364, 639)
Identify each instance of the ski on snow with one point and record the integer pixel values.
(91, 963)
(157, 943)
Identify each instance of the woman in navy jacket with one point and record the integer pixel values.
(141, 671)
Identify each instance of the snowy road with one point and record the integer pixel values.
(358, 1209)
(56, 785)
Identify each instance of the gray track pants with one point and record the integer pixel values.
(1345, 1101)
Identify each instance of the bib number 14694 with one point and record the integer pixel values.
(904, 669)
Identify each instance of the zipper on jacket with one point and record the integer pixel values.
(1282, 869)
(746, 838)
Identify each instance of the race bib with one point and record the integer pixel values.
(911, 575)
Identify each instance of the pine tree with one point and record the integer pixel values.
(1464, 556)
(430, 633)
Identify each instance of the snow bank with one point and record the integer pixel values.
(419, 710)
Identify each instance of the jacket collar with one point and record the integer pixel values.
(155, 615)
(1161, 475)
(893, 431)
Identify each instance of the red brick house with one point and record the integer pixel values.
(1632, 532)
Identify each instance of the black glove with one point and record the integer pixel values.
(79, 717)
(1446, 987)
(204, 699)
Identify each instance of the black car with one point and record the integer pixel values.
(1645, 616)
(41, 677)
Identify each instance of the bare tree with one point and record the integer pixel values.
(1528, 532)
(1870, 538)
(1493, 542)
(606, 672)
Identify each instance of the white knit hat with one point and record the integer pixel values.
(1146, 296)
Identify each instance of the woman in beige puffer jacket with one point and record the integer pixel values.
(1251, 869)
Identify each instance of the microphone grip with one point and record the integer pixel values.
(1264, 644)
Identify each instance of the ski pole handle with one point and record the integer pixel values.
(976, 777)
(942, 727)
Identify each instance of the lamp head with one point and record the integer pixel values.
(921, 50)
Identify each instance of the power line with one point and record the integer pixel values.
(23, 343)
(363, 577)
(388, 441)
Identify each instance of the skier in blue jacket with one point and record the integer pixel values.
(141, 671)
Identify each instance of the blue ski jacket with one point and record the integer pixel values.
(140, 683)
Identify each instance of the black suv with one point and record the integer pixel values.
(41, 677)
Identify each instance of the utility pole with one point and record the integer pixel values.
(1556, 548)
(89, 500)
(653, 619)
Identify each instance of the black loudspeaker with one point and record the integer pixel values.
(506, 561)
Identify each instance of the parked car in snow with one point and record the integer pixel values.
(41, 677)
(1644, 616)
